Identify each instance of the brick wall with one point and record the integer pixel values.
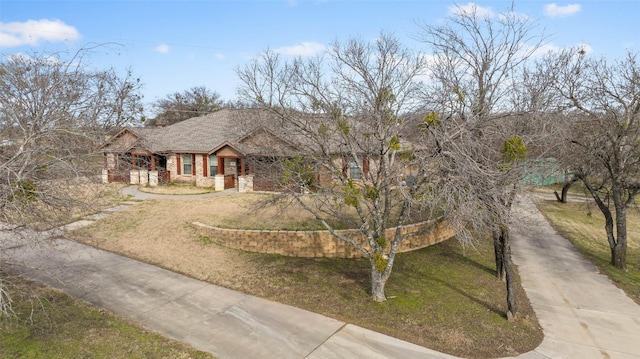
(317, 243)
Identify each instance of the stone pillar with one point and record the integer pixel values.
(111, 160)
(249, 185)
(134, 177)
(245, 184)
(219, 183)
(242, 181)
(144, 177)
(153, 178)
(105, 175)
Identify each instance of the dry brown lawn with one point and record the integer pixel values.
(159, 232)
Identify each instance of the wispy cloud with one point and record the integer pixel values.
(553, 10)
(303, 49)
(471, 9)
(32, 32)
(19, 56)
(162, 48)
(219, 56)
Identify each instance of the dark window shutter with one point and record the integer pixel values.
(205, 166)
(178, 164)
(193, 164)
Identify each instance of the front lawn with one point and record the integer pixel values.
(443, 297)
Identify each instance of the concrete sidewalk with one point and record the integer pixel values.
(582, 313)
(226, 323)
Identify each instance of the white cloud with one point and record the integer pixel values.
(514, 16)
(162, 48)
(32, 32)
(24, 58)
(470, 9)
(303, 49)
(553, 10)
(540, 51)
(219, 56)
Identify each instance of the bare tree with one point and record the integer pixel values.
(180, 106)
(483, 120)
(345, 111)
(602, 137)
(53, 113)
(115, 100)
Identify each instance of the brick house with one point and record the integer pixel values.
(216, 150)
(230, 148)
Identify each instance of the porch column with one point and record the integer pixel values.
(153, 162)
(220, 165)
(365, 166)
(133, 161)
(242, 166)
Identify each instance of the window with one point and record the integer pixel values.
(186, 165)
(354, 171)
(213, 165)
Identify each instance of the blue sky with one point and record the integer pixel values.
(174, 45)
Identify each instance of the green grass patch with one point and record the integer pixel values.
(176, 189)
(438, 297)
(204, 240)
(50, 324)
(583, 225)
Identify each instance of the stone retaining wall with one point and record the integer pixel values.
(317, 243)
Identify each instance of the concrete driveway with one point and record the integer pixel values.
(583, 314)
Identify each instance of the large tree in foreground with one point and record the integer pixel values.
(602, 137)
(346, 108)
(483, 119)
(53, 114)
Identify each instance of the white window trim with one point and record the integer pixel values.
(186, 162)
(211, 164)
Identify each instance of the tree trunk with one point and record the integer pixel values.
(565, 189)
(618, 247)
(508, 269)
(378, 282)
(619, 251)
(498, 248)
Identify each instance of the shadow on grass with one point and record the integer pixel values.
(462, 258)
(472, 298)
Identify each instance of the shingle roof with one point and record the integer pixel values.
(205, 133)
(249, 131)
